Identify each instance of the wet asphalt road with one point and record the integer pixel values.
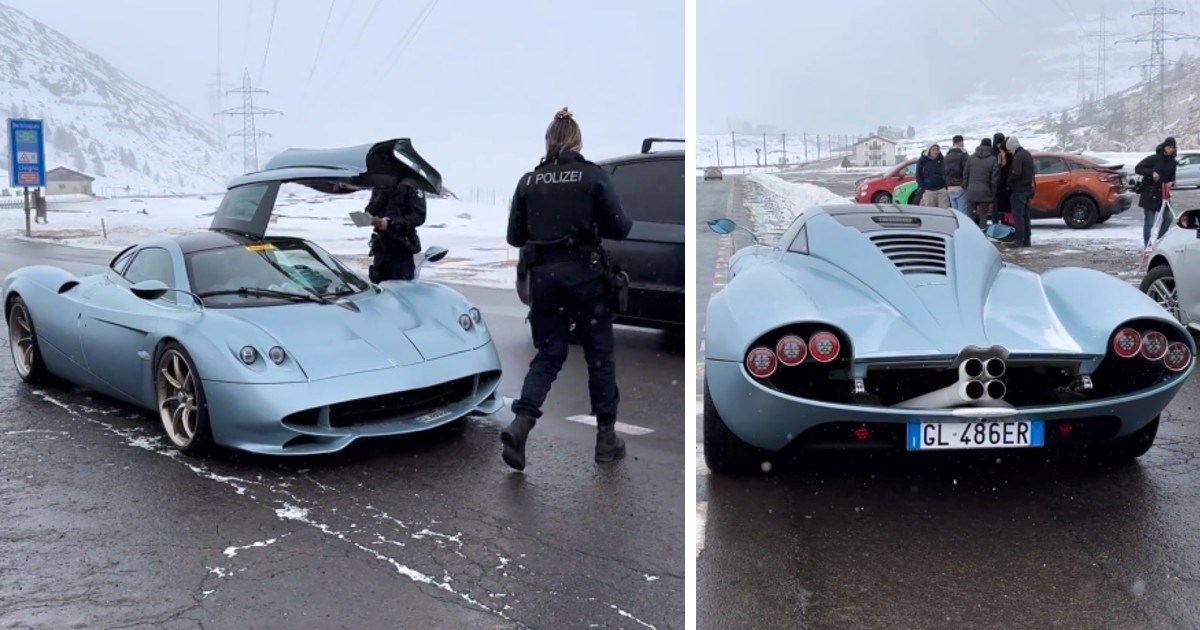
(105, 526)
(950, 542)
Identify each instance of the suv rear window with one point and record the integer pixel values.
(651, 190)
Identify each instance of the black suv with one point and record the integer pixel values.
(651, 185)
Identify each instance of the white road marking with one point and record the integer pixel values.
(627, 429)
(701, 468)
(701, 517)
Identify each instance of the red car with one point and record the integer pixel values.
(878, 189)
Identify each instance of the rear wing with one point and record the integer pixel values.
(650, 142)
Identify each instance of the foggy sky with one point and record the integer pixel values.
(474, 89)
(849, 66)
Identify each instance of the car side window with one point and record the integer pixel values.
(651, 190)
(910, 170)
(800, 243)
(151, 263)
(122, 260)
(1049, 166)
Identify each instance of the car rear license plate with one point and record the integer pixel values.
(928, 436)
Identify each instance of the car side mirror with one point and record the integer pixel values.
(722, 226)
(150, 289)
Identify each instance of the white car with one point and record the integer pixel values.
(1173, 272)
(1187, 169)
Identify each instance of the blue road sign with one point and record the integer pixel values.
(26, 153)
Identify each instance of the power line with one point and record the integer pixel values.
(1157, 63)
(989, 9)
(320, 45)
(411, 34)
(248, 111)
(267, 51)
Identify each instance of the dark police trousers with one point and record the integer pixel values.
(391, 266)
(559, 294)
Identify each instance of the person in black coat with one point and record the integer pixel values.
(1156, 170)
(561, 212)
(1021, 185)
(1003, 160)
(397, 211)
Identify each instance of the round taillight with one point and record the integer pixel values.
(824, 346)
(791, 350)
(1127, 343)
(1154, 345)
(761, 362)
(1178, 357)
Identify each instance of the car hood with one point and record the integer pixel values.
(380, 331)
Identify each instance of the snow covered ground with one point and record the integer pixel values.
(474, 234)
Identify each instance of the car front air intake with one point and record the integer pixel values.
(914, 252)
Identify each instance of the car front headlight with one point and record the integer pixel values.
(248, 354)
(465, 321)
(476, 316)
(277, 355)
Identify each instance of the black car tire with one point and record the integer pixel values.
(1080, 212)
(37, 373)
(724, 452)
(1128, 448)
(881, 197)
(1162, 272)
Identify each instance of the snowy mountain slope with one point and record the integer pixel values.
(99, 120)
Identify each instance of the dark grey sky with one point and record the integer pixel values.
(474, 88)
(848, 66)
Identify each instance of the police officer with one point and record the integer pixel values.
(560, 212)
(397, 210)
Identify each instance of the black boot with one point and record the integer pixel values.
(513, 438)
(609, 446)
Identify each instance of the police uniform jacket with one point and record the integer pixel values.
(563, 197)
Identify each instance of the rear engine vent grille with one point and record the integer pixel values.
(914, 253)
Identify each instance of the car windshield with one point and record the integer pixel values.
(268, 273)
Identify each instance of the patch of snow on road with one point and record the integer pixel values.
(233, 551)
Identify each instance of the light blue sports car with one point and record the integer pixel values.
(266, 344)
(899, 327)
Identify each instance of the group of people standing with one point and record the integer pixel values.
(996, 179)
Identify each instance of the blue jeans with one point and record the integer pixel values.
(1020, 210)
(1167, 219)
(958, 200)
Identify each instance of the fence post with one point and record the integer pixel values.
(28, 229)
(103, 229)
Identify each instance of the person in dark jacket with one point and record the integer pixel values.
(1020, 189)
(1003, 157)
(931, 178)
(560, 213)
(398, 210)
(1156, 170)
(980, 183)
(955, 167)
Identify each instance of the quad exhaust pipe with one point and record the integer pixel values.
(978, 384)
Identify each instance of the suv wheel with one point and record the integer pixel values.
(1080, 213)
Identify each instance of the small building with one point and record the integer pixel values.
(64, 181)
(874, 150)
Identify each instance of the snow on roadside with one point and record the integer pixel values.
(773, 202)
(474, 234)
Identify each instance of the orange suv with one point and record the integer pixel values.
(1081, 191)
